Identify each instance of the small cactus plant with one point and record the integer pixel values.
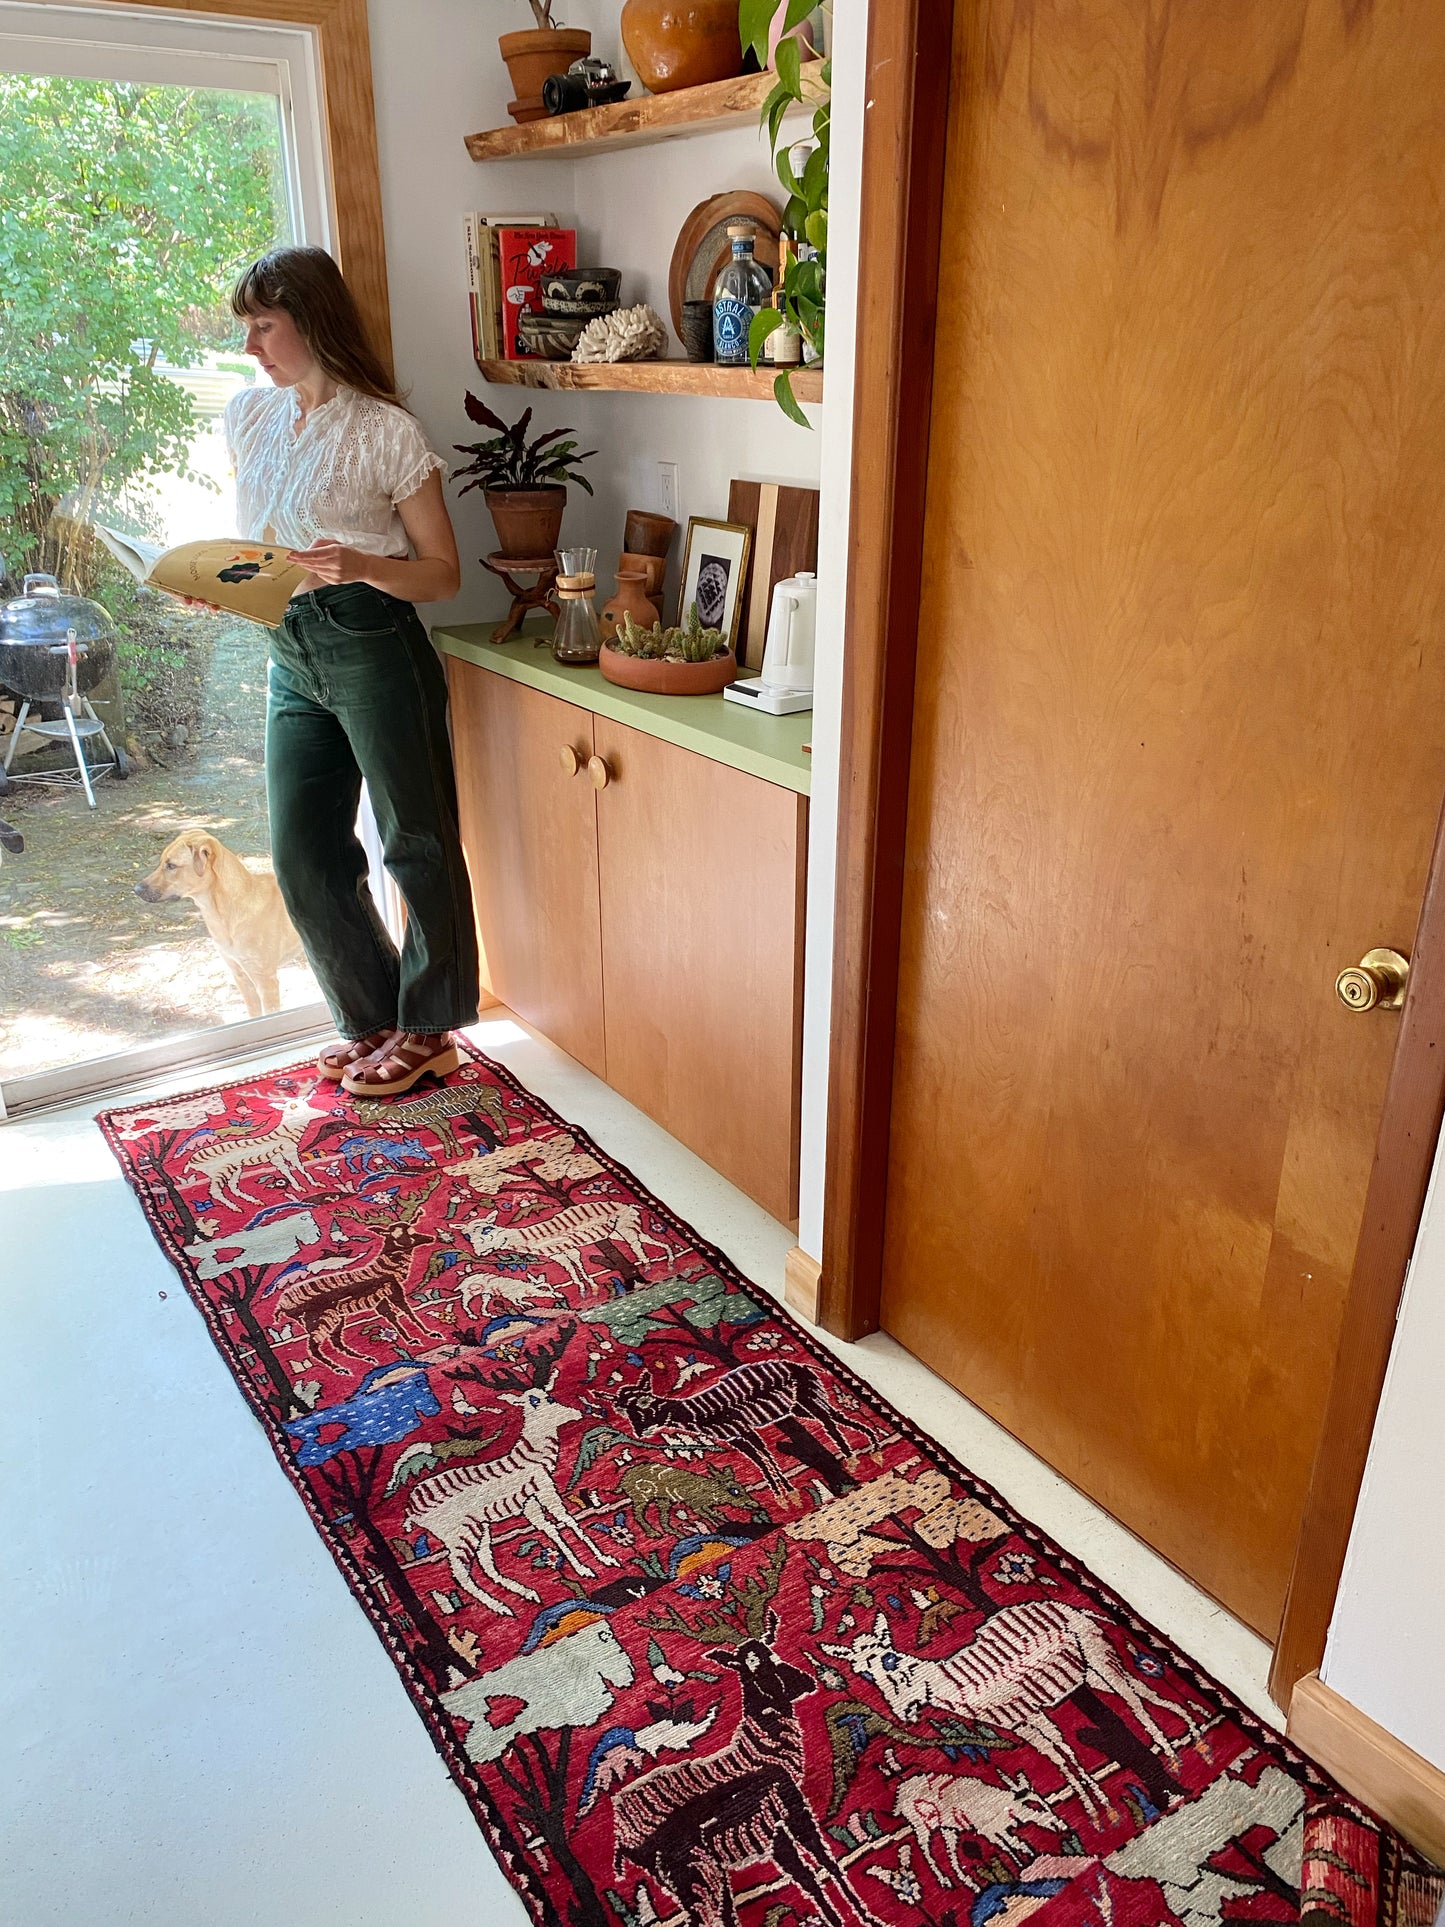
(689, 643)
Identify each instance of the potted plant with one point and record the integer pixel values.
(765, 27)
(524, 482)
(686, 661)
(534, 54)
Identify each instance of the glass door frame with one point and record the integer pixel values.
(168, 48)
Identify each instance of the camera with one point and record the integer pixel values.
(586, 83)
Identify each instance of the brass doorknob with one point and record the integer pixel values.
(571, 761)
(1376, 982)
(600, 774)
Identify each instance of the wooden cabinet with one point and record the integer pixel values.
(530, 833)
(653, 927)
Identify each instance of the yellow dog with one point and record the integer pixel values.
(243, 912)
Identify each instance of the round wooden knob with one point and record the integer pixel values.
(571, 761)
(600, 774)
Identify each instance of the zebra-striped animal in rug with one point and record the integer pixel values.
(458, 1507)
(733, 1409)
(555, 1160)
(468, 1097)
(561, 1240)
(1022, 1663)
(225, 1156)
(693, 1823)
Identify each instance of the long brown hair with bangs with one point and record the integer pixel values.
(307, 284)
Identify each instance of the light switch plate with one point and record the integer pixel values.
(667, 489)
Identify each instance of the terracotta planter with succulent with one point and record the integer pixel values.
(687, 661)
(534, 54)
(525, 482)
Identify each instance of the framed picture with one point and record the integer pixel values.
(714, 572)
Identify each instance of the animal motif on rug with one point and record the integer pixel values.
(459, 1507)
(467, 1097)
(1022, 1663)
(692, 1824)
(227, 1153)
(562, 1239)
(842, 1525)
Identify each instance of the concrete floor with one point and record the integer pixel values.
(197, 1725)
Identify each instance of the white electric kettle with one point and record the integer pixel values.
(792, 628)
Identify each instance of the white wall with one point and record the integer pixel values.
(845, 188)
(437, 76)
(1386, 1651)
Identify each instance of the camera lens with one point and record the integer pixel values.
(565, 94)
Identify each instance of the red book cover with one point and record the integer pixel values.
(524, 255)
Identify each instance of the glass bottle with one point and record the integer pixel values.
(577, 638)
(784, 346)
(743, 287)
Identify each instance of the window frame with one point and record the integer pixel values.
(348, 120)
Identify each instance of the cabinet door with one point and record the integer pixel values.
(530, 831)
(702, 874)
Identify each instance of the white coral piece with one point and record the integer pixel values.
(630, 334)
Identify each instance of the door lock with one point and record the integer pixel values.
(1376, 982)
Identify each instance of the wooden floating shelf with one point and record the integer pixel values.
(635, 123)
(653, 378)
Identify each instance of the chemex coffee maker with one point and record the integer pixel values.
(786, 683)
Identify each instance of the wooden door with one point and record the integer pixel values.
(530, 831)
(1179, 733)
(702, 874)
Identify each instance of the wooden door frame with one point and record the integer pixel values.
(349, 112)
(905, 142)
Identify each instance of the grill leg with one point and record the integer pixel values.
(15, 735)
(80, 762)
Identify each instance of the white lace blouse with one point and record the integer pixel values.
(340, 478)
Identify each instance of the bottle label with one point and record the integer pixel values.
(732, 322)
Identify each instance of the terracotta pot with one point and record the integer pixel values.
(646, 534)
(652, 567)
(630, 600)
(667, 678)
(533, 57)
(682, 43)
(528, 520)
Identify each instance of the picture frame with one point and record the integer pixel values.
(715, 573)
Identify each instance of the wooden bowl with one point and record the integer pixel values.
(667, 678)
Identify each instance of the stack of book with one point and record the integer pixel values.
(507, 256)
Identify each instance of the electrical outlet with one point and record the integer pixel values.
(667, 489)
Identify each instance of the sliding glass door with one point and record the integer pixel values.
(143, 161)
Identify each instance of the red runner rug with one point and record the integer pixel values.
(707, 1634)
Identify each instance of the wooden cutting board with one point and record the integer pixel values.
(784, 522)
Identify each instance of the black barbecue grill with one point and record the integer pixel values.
(54, 649)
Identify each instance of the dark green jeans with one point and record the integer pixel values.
(356, 692)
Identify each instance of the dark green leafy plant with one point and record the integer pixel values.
(690, 643)
(509, 460)
(805, 217)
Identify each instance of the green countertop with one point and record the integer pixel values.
(767, 746)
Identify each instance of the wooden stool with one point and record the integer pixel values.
(541, 596)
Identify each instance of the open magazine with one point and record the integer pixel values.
(246, 579)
